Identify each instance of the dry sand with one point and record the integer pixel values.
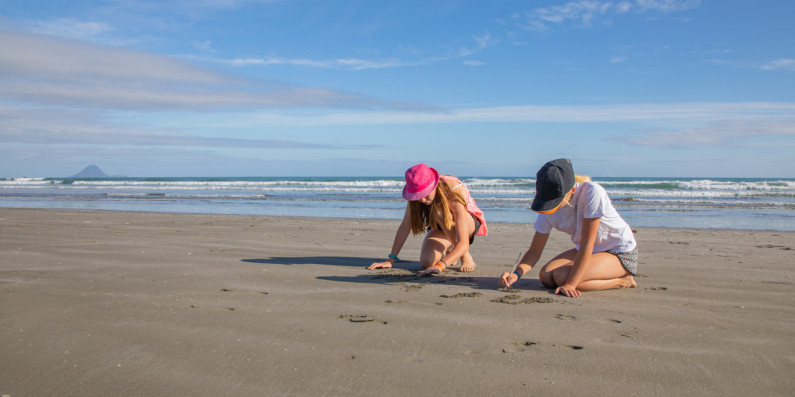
(142, 304)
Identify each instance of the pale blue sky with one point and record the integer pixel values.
(693, 88)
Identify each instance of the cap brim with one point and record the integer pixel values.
(539, 205)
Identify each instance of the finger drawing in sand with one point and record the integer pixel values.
(441, 207)
(605, 254)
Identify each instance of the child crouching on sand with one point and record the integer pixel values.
(605, 253)
(441, 206)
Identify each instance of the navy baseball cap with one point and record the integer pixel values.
(553, 181)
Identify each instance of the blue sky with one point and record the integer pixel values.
(693, 88)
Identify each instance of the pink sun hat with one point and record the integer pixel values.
(420, 182)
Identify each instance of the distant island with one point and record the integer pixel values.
(92, 171)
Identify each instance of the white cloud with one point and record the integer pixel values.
(345, 63)
(480, 43)
(55, 72)
(687, 112)
(85, 127)
(587, 12)
(717, 133)
(71, 28)
(778, 64)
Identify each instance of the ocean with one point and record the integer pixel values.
(718, 203)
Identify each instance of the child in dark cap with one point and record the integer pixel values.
(605, 254)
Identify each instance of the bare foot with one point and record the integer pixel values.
(628, 281)
(467, 263)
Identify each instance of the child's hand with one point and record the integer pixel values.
(507, 279)
(429, 271)
(380, 265)
(568, 290)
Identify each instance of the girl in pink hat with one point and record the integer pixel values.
(440, 206)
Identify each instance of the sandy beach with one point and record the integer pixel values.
(98, 303)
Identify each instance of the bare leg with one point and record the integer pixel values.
(434, 246)
(467, 262)
(604, 272)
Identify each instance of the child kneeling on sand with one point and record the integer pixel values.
(605, 253)
(441, 206)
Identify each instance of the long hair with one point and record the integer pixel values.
(581, 178)
(424, 216)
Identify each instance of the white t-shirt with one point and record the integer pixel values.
(590, 201)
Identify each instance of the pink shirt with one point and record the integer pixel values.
(472, 208)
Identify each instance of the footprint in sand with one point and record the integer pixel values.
(565, 317)
(514, 299)
(364, 318)
(252, 291)
(781, 247)
(463, 295)
(658, 288)
(572, 347)
(520, 346)
(231, 309)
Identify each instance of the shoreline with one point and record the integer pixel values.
(150, 303)
(344, 219)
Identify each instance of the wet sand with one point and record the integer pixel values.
(132, 304)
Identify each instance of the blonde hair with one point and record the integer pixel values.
(423, 216)
(581, 178)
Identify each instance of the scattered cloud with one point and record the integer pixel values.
(779, 64)
(86, 127)
(685, 112)
(785, 64)
(50, 71)
(71, 28)
(480, 43)
(717, 133)
(586, 13)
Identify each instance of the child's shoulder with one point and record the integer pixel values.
(450, 180)
(591, 188)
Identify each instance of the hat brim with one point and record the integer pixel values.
(414, 196)
(541, 205)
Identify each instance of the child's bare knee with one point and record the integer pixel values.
(427, 262)
(546, 279)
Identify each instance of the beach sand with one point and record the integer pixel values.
(99, 303)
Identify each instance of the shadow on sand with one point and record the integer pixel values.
(404, 273)
(317, 260)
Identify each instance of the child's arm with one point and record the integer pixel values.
(590, 226)
(400, 238)
(527, 262)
